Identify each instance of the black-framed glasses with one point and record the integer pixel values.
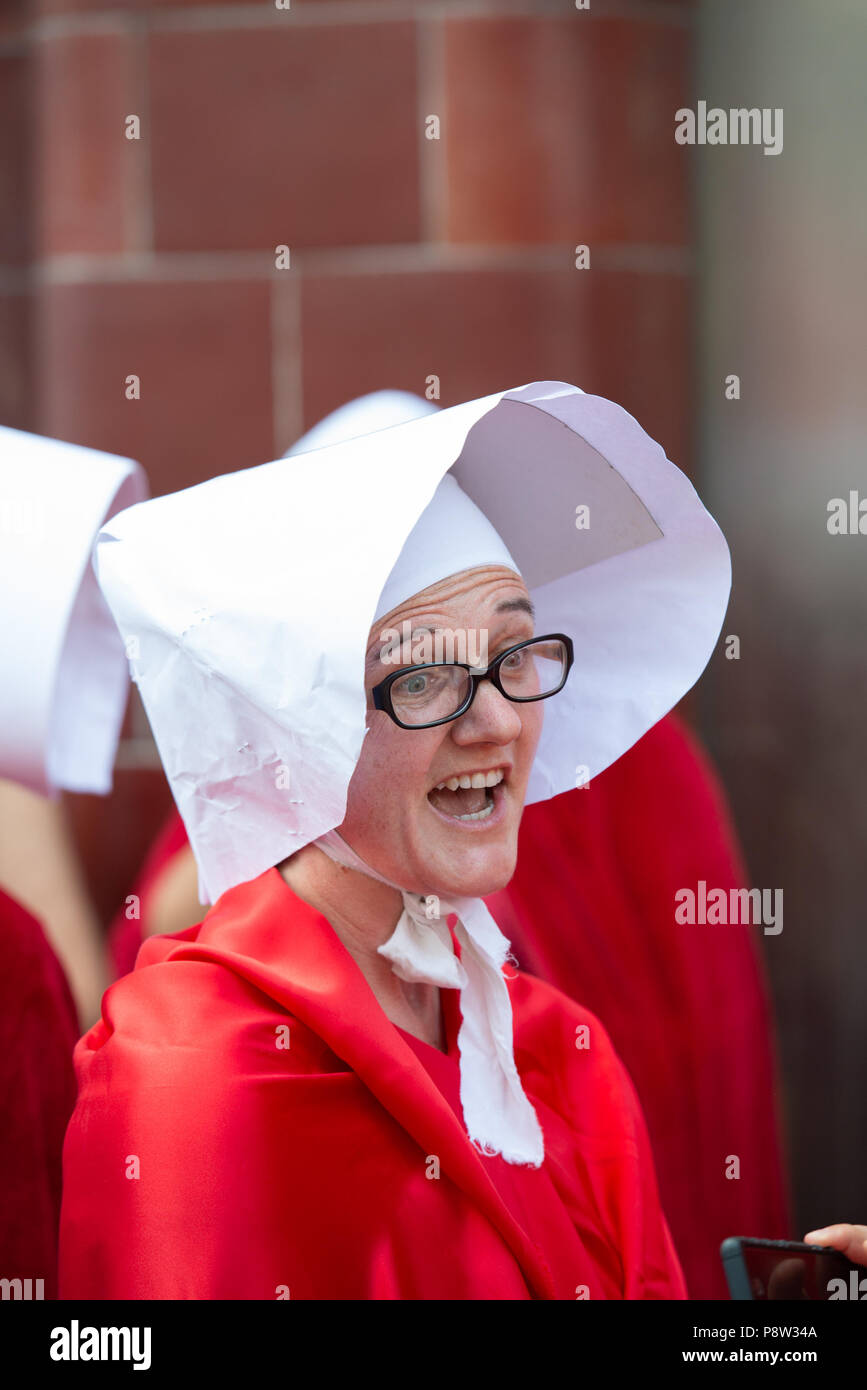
(434, 692)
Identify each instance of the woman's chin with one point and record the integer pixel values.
(476, 873)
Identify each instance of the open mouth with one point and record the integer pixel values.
(469, 797)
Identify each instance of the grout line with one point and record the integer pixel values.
(139, 228)
(287, 383)
(431, 98)
(367, 260)
(347, 12)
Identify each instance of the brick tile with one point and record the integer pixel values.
(16, 363)
(307, 137)
(616, 334)
(16, 160)
(15, 17)
(563, 128)
(86, 168)
(419, 5)
(55, 7)
(642, 354)
(202, 352)
(266, 5)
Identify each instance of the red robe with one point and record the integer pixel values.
(591, 909)
(38, 1030)
(207, 1159)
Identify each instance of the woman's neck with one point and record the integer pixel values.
(363, 914)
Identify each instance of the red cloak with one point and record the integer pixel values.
(591, 909)
(215, 1155)
(38, 1030)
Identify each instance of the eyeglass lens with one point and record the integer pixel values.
(436, 692)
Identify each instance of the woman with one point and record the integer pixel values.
(331, 1088)
(596, 875)
(63, 687)
(63, 683)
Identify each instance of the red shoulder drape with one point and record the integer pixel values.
(38, 1030)
(250, 1125)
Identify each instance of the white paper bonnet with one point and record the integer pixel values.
(250, 598)
(64, 676)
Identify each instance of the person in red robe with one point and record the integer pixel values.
(38, 1031)
(63, 686)
(334, 1086)
(690, 1016)
(611, 862)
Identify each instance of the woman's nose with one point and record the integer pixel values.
(491, 718)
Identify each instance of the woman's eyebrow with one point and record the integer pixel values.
(508, 605)
(516, 605)
(377, 644)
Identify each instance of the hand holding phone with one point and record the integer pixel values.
(790, 1270)
(850, 1240)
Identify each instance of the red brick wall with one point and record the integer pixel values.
(409, 257)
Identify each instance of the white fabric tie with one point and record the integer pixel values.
(498, 1116)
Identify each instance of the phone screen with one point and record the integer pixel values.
(794, 1274)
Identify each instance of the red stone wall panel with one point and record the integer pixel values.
(84, 162)
(269, 136)
(563, 129)
(614, 333)
(202, 353)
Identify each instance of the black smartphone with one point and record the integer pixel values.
(789, 1270)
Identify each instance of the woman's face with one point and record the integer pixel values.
(434, 841)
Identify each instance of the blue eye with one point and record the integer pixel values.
(411, 685)
(515, 660)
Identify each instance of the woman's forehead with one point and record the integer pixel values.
(481, 598)
(487, 590)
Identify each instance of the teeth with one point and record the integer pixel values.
(479, 815)
(476, 779)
